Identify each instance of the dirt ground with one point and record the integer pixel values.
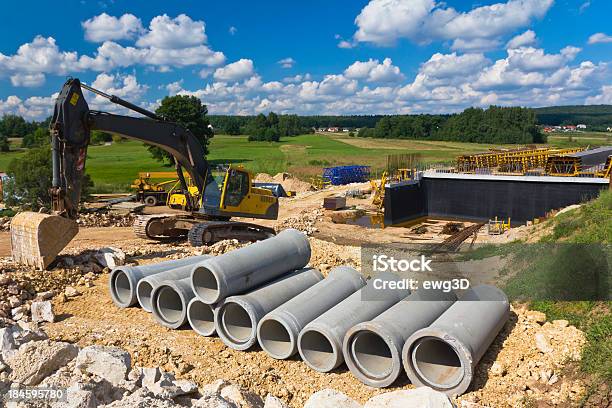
(513, 372)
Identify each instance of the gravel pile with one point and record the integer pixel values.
(105, 219)
(305, 221)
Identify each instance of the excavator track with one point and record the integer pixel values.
(144, 226)
(209, 232)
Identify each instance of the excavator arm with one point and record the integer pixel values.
(71, 127)
(36, 238)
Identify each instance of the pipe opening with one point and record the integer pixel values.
(371, 354)
(437, 362)
(143, 291)
(202, 318)
(122, 288)
(317, 350)
(275, 339)
(237, 323)
(169, 305)
(205, 284)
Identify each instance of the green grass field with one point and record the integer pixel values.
(113, 167)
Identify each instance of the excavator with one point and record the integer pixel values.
(37, 238)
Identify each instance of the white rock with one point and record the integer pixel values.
(110, 363)
(329, 398)
(212, 401)
(77, 397)
(141, 399)
(542, 343)
(38, 359)
(42, 312)
(150, 376)
(71, 292)
(422, 397)
(273, 402)
(110, 257)
(241, 398)
(7, 341)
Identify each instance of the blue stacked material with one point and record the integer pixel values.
(346, 174)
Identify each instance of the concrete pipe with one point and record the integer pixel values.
(170, 300)
(236, 318)
(201, 317)
(248, 267)
(278, 331)
(373, 350)
(443, 356)
(146, 285)
(320, 342)
(123, 279)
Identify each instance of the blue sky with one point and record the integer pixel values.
(314, 57)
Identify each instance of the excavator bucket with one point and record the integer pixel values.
(37, 238)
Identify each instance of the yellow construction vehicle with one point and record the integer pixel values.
(37, 238)
(149, 192)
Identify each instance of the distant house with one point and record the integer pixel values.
(609, 129)
(569, 128)
(332, 129)
(345, 130)
(581, 126)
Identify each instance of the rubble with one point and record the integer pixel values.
(109, 363)
(5, 223)
(110, 257)
(42, 312)
(422, 397)
(38, 359)
(105, 219)
(330, 398)
(305, 221)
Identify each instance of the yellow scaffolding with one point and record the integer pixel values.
(515, 160)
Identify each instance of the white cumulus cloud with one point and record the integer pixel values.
(171, 33)
(599, 38)
(287, 62)
(235, 71)
(373, 71)
(522, 40)
(383, 22)
(104, 27)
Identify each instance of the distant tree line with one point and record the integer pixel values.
(237, 125)
(273, 127)
(493, 125)
(596, 117)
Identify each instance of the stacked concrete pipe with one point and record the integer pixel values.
(169, 301)
(201, 317)
(320, 342)
(146, 285)
(124, 279)
(443, 356)
(373, 350)
(237, 317)
(238, 271)
(278, 331)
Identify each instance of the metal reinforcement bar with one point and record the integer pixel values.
(145, 286)
(320, 342)
(170, 300)
(245, 268)
(201, 317)
(237, 317)
(278, 331)
(123, 280)
(373, 350)
(443, 356)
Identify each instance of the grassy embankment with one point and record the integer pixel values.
(573, 261)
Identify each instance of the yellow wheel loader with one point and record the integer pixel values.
(37, 238)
